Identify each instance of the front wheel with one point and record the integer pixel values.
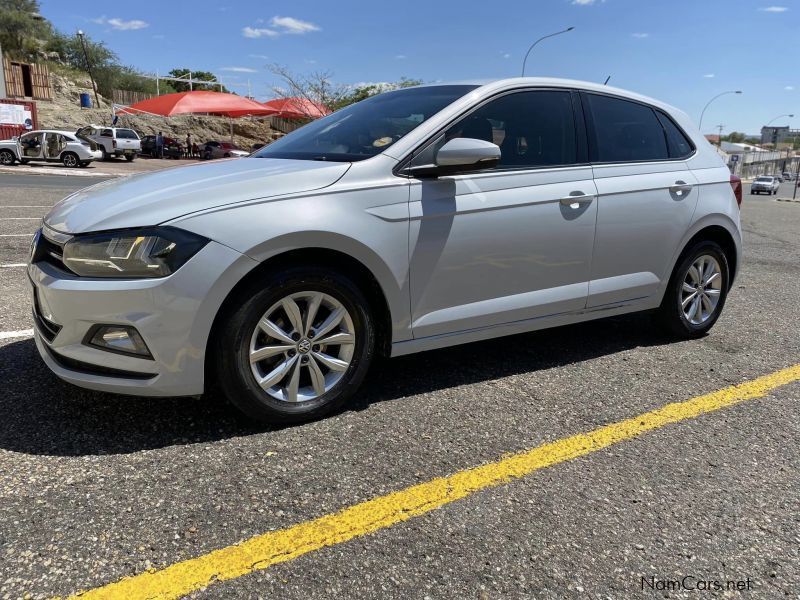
(7, 157)
(696, 291)
(297, 346)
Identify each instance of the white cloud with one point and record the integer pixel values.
(583, 2)
(400, 56)
(789, 88)
(292, 25)
(709, 75)
(506, 55)
(279, 26)
(774, 9)
(239, 69)
(261, 56)
(258, 32)
(121, 24)
(640, 36)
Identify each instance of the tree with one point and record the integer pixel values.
(318, 87)
(183, 86)
(734, 137)
(23, 31)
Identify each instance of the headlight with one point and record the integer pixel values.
(131, 253)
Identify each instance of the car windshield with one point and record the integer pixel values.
(765, 179)
(366, 128)
(126, 134)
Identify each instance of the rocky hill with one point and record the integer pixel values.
(65, 112)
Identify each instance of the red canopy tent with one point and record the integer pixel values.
(296, 108)
(200, 101)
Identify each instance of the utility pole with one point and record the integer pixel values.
(719, 138)
(89, 68)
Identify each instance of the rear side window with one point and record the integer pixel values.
(126, 134)
(625, 131)
(677, 142)
(533, 129)
(106, 133)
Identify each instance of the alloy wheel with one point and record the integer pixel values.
(302, 346)
(701, 289)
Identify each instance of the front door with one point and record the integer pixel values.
(646, 198)
(513, 242)
(31, 145)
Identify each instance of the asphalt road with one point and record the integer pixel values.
(95, 487)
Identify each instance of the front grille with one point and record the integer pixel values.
(46, 328)
(50, 250)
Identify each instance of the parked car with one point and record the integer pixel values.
(172, 147)
(49, 146)
(416, 219)
(787, 176)
(113, 141)
(765, 184)
(213, 149)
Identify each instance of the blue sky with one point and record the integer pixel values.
(682, 52)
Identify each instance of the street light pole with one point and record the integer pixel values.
(89, 68)
(544, 37)
(710, 101)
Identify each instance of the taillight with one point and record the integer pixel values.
(736, 184)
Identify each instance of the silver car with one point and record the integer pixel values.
(49, 146)
(416, 219)
(765, 184)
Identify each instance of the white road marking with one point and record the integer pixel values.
(27, 206)
(16, 234)
(20, 218)
(13, 265)
(22, 333)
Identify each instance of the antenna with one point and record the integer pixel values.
(606, 81)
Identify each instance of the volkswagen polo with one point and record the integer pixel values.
(416, 219)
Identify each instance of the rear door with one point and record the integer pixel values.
(646, 197)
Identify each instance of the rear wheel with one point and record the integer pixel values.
(84, 163)
(70, 159)
(696, 291)
(104, 153)
(7, 157)
(297, 346)
(130, 157)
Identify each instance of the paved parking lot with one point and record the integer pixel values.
(96, 488)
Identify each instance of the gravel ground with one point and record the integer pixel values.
(94, 487)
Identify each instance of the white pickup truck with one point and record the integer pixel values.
(113, 141)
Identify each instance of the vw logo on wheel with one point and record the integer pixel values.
(303, 346)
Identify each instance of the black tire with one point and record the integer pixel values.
(670, 314)
(231, 345)
(70, 159)
(104, 153)
(7, 158)
(130, 157)
(84, 163)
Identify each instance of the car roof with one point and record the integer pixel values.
(511, 82)
(61, 131)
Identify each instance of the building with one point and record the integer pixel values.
(778, 135)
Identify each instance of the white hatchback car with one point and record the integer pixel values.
(49, 146)
(416, 219)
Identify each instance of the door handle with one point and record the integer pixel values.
(681, 188)
(575, 199)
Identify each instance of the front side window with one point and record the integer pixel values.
(625, 131)
(365, 128)
(533, 129)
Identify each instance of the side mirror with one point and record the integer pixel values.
(467, 154)
(456, 156)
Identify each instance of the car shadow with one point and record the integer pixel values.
(44, 416)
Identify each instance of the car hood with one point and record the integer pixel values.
(151, 198)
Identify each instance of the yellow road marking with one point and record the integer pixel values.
(275, 547)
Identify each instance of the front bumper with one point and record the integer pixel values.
(173, 314)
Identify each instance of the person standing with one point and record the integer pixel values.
(188, 145)
(160, 145)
